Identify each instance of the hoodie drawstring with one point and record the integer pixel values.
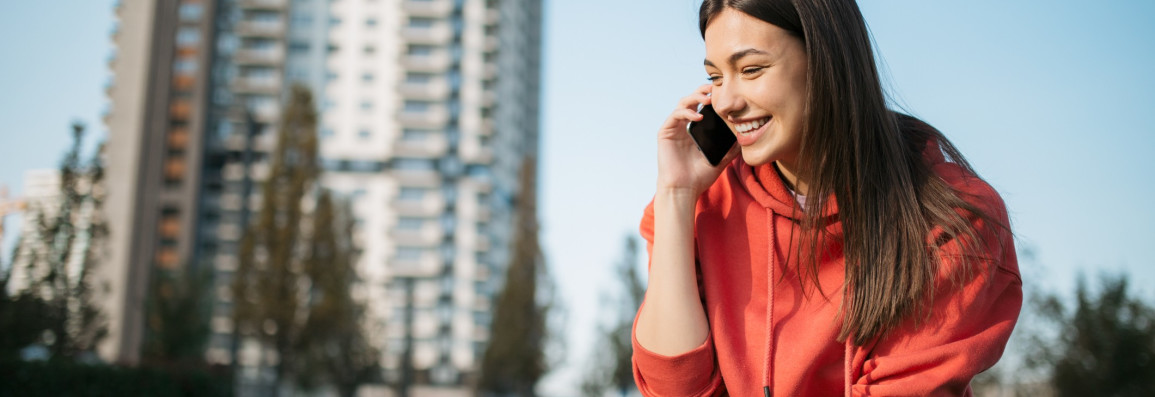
(767, 373)
(846, 365)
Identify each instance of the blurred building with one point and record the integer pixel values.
(42, 200)
(427, 109)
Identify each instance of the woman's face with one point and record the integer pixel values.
(759, 76)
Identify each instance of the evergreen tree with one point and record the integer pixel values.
(334, 342)
(514, 360)
(1106, 342)
(268, 297)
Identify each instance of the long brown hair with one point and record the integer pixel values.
(870, 159)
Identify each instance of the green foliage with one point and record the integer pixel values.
(178, 317)
(61, 378)
(333, 342)
(1106, 342)
(296, 271)
(514, 360)
(267, 283)
(612, 365)
(59, 299)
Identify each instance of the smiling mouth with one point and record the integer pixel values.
(747, 127)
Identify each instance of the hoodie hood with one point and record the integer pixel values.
(765, 185)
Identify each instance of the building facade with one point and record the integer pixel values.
(427, 109)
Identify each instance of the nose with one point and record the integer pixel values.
(727, 101)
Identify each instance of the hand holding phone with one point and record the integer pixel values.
(713, 137)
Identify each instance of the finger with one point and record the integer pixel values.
(693, 100)
(680, 117)
(705, 89)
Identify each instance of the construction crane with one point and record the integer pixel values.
(8, 206)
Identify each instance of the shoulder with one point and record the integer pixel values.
(988, 216)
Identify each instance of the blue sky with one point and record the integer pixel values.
(1050, 101)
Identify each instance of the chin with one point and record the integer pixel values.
(754, 157)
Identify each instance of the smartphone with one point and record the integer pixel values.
(713, 137)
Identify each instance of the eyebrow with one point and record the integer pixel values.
(735, 57)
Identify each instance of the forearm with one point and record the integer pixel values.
(672, 321)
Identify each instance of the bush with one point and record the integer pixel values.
(61, 378)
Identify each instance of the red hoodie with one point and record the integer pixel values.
(764, 331)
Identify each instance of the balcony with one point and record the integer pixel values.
(429, 206)
(432, 147)
(260, 28)
(434, 118)
(440, 33)
(474, 154)
(436, 90)
(438, 62)
(259, 57)
(270, 85)
(428, 8)
(491, 43)
(428, 265)
(263, 4)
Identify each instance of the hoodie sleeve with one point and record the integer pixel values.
(970, 322)
(693, 373)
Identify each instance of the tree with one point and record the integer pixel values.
(334, 341)
(266, 287)
(615, 369)
(60, 256)
(23, 318)
(178, 317)
(514, 360)
(1105, 344)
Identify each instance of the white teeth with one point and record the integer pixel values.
(753, 125)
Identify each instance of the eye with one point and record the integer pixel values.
(752, 70)
(714, 79)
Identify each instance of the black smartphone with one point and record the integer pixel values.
(713, 137)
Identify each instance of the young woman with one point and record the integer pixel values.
(841, 247)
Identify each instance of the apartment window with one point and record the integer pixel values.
(367, 105)
(408, 253)
(371, 22)
(448, 222)
(418, 78)
(260, 44)
(265, 16)
(413, 164)
(414, 135)
(191, 12)
(416, 106)
(367, 77)
(185, 65)
(188, 36)
(420, 49)
(420, 22)
(369, 50)
(258, 72)
(326, 132)
(411, 194)
(364, 134)
(410, 224)
(302, 19)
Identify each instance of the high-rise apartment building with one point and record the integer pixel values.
(428, 108)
